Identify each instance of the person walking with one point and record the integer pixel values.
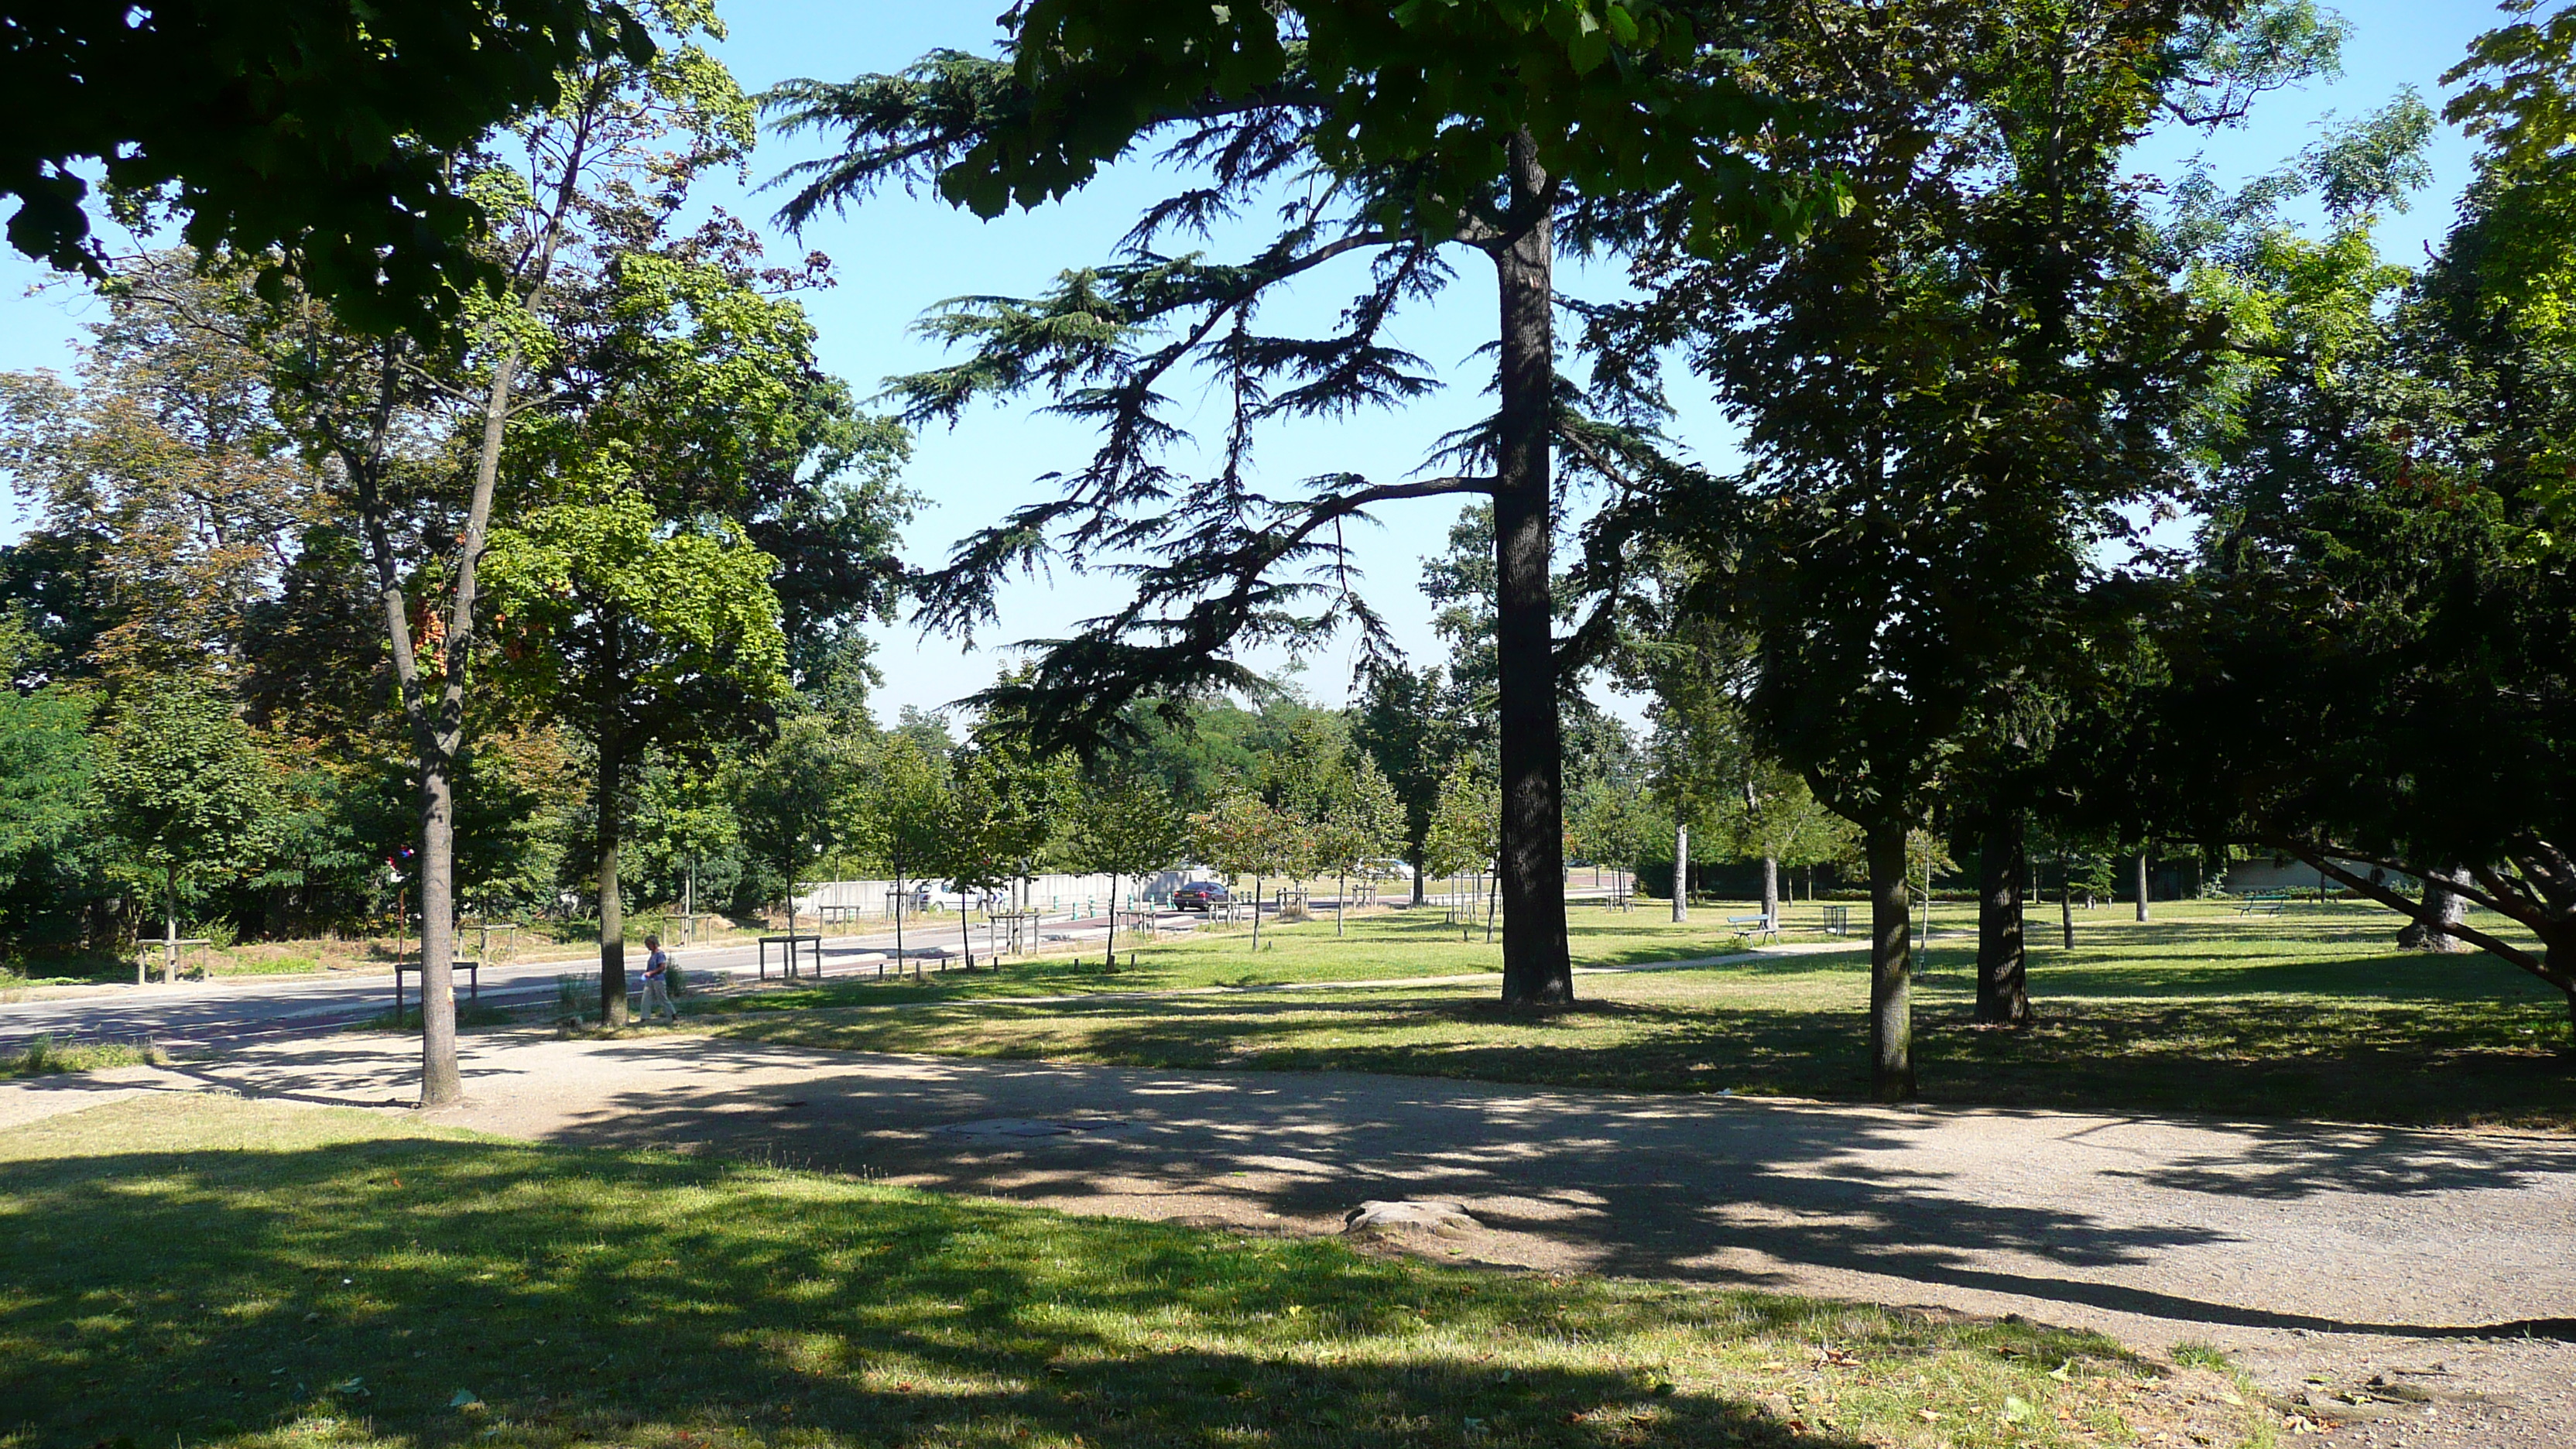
(657, 981)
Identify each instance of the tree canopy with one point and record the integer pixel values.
(317, 134)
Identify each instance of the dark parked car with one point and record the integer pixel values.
(1200, 895)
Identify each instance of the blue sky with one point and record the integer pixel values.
(898, 255)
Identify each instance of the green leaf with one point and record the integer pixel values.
(1590, 47)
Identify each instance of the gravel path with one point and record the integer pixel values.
(2441, 1264)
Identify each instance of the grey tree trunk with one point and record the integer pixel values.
(900, 901)
(2442, 904)
(170, 927)
(1418, 897)
(2143, 912)
(1536, 967)
(1256, 915)
(1681, 871)
(2066, 903)
(1771, 891)
(2003, 991)
(1112, 961)
(1891, 968)
(612, 902)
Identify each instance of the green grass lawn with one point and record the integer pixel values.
(1379, 945)
(204, 1271)
(2308, 1014)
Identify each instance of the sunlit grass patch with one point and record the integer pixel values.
(2309, 1014)
(43, 1056)
(213, 1272)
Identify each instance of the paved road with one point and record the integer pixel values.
(234, 1011)
(2342, 1251)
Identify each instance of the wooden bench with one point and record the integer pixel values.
(1766, 926)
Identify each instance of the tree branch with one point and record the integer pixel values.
(2318, 860)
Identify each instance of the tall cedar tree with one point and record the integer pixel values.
(1385, 136)
(1948, 394)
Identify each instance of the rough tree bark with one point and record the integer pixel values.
(2443, 908)
(2066, 903)
(2143, 912)
(1891, 968)
(1771, 890)
(612, 902)
(2003, 957)
(1110, 961)
(1536, 967)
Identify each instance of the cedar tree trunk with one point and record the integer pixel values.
(1536, 967)
(2003, 992)
(2441, 904)
(1891, 968)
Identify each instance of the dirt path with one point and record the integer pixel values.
(2425, 1258)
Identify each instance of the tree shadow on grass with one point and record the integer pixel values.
(203, 1296)
(1653, 1186)
(2416, 1063)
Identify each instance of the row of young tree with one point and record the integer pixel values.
(546, 489)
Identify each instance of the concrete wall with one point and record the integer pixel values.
(2244, 877)
(1051, 894)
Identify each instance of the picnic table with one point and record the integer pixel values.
(2264, 903)
(792, 942)
(473, 981)
(174, 949)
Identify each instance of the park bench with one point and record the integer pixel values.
(2263, 903)
(473, 980)
(1764, 926)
